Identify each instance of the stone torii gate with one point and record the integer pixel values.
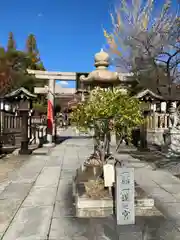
(50, 90)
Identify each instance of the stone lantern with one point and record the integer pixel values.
(101, 76)
(104, 78)
(23, 100)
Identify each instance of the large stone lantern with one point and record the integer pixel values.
(101, 76)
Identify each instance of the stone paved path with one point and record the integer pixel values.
(10, 163)
(36, 203)
(160, 184)
(158, 161)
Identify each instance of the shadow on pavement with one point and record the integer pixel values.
(61, 139)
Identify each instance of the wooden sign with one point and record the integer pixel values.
(125, 209)
(109, 175)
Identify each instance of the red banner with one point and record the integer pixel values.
(50, 116)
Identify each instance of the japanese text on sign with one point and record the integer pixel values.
(125, 211)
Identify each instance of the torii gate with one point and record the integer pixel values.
(52, 77)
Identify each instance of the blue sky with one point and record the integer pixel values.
(68, 32)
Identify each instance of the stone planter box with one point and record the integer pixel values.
(87, 207)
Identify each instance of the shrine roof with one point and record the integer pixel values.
(160, 93)
(20, 91)
(147, 92)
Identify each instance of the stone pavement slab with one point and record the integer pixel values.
(8, 209)
(158, 184)
(74, 228)
(3, 185)
(47, 212)
(29, 172)
(49, 177)
(64, 189)
(43, 196)
(41, 151)
(54, 162)
(33, 189)
(10, 163)
(30, 223)
(27, 198)
(65, 226)
(16, 191)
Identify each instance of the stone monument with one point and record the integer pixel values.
(125, 207)
(172, 135)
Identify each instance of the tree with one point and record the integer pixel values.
(139, 41)
(5, 72)
(33, 53)
(11, 45)
(13, 68)
(169, 56)
(148, 80)
(40, 108)
(13, 65)
(124, 111)
(31, 45)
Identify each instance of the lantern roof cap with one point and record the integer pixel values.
(101, 59)
(101, 74)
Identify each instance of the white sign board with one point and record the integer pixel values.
(109, 175)
(125, 209)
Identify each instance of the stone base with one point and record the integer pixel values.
(172, 143)
(103, 207)
(49, 145)
(25, 151)
(106, 212)
(155, 137)
(93, 212)
(41, 151)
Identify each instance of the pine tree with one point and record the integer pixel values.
(33, 53)
(31, 45)
(11, 45)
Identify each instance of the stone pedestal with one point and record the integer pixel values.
(49, 145)
(103, 206)
(172, 142)
(155, 137)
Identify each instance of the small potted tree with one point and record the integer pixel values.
(115, 111)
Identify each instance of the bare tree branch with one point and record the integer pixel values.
(139, 39)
